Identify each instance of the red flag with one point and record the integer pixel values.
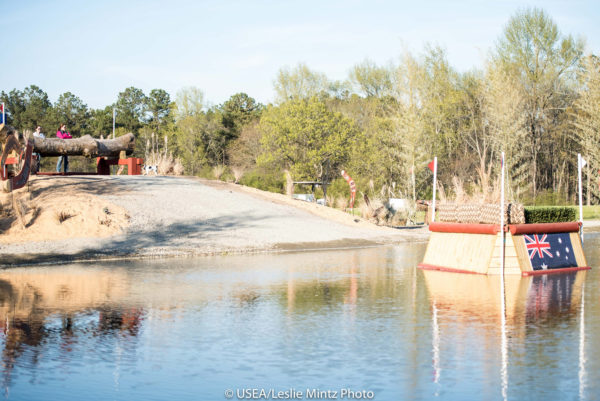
(431, 165)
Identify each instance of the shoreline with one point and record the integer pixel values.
(59, 259)
(173, 217)
(184, 217)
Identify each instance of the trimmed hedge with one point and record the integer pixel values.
(557, 214)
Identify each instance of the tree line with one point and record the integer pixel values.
(537, 98)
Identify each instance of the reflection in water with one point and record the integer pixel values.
(42, 305)
(582, 346)
(528, 299)
(360, 319)
(435, 328)
(504, 340)
(526, 309)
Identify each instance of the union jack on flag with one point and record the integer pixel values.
(535, 244)
(550, 251)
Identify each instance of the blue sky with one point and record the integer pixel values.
(95, 49)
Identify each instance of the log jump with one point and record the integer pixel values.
(85, 146)
(18, 153)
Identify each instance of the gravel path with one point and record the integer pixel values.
(185, 216)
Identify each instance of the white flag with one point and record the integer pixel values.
(583, 162)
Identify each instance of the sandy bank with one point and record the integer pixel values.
(141, 216)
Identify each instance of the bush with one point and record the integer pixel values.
(339, 188)
(266, 181)
(546, 198)
(559, 214)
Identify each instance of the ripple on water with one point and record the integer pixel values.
(359, 319)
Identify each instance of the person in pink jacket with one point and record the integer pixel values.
(63, 160)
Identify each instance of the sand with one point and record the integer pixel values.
(146, 216)
(59, 209)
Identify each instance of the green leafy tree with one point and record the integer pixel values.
(504, 129)
(14, 104)
(131, 109)
(215, 138)
(28, 108)
(189, 102)
(187, 141)
(100, 122)
(306, 138)
(586, 120)
(239, 111)
(441, 101)
(160, 108)
(70, 110)
(299, 83)
(372, 80)
(244, 151)
(375, 155)
(541, 62)
(198, 134)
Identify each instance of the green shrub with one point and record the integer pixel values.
(558, 214)
(264, 180)
(205, 172)
(339, 188)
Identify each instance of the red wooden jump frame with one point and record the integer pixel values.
(134, 166)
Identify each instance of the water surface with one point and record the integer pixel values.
(358, 320)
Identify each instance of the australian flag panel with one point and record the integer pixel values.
(550, 251)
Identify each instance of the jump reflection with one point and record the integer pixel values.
(40, 306)
(472, 307)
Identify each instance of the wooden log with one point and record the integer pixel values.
(85, 146)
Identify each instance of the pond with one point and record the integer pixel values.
(343, 324)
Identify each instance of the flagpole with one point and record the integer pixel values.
(434, 187)
(580, 196)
